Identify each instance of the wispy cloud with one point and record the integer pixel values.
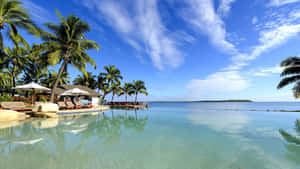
(275, 30)
(140, 26)
(282, 2)
(38, 13)
(267, 71)
(203, 17)
(225, 6)
(268, 39)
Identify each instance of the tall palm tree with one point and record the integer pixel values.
(103, 86)
(127, 90)
(14, 16)
(87, 79)
(112, 74)
(68, 45)
(139, 87)
(16, 57)
(116, 90)
(291, 74)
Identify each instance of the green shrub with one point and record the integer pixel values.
(6, 98)
(43, 99)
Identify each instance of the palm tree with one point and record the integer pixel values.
(13, 16)
(103, 86)
(68, 45)
(5, 81)
(16, 57)
(139, 87)
(36, 67)
(51, 78)
(3, 61)
(291, 74)
(86, 80)
(112, 74)
(127, 90)
(116, 90)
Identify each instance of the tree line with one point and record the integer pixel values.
(63, 44)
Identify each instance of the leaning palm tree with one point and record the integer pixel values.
(86, 80)
(139, 87)
(127, 90)
(112, 74)
(291, 74)
(14, 16)
(68, 45)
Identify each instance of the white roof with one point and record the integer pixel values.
(74, 92)
(32, 86)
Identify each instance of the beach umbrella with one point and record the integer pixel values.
(75, 92)
(32, 87)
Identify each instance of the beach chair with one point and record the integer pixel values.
(70, 105)
(16, 106)
(61, 105)
(78, 104)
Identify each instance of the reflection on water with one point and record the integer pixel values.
(247, 138)
(293, 143)
(168, 136)
(53, 143)
(231, 122)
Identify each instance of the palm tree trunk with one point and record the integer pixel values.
(14, 79)
(126, 97)
(112, 97)
(136, 94)
(61, 70)
(103, 97)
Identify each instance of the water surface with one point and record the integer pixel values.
(167, 136)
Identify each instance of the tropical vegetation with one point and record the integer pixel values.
(291, 74)
(64, 44)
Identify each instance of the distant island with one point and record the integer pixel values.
(224, 101)
(199, 101)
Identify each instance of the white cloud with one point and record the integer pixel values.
(201, 14)
(282, 2)
(269, 39)
(254, 20)
(224, 7)
(268, 71)
(219, 82)
(274, 29)
(140, 26)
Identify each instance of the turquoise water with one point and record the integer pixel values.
(167, 136)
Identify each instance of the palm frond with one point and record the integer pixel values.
(291, 61)
(288, 80)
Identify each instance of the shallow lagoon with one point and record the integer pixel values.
(167, 136)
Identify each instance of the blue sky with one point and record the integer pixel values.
(189, 49)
